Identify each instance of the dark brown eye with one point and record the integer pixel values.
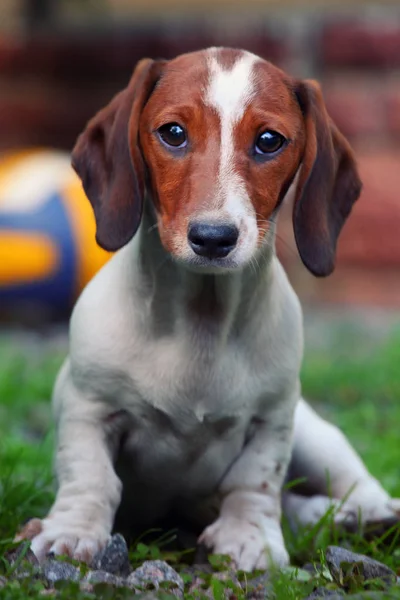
(269, 142)
(172, 134)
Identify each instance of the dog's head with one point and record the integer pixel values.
(218, 137)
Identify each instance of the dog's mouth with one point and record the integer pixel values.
(210, 266)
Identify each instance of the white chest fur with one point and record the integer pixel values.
(189, 382)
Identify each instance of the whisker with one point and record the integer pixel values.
(287, 245)
(252, 265)
(273, 226)
(257, 263)
(152, 227)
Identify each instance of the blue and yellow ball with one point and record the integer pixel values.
(48, 250)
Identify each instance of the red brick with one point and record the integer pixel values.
(371, 237)
(368, 261)
(364, 105)
(45, 115)
(73, 76)
(361, 44)
(86, 57)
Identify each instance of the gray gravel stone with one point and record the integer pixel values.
(114, 558)
(259, 583)
(154, 572)
(147, 596)
(28, 563)
(360, 566)
(322, 592)
(94, 577)
(312, 568)
(3, 581)
(13, 556)
(55, 570)
(371, 596)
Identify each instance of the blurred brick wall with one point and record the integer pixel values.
(51, 83)
(358, 64)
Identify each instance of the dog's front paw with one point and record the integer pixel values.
(54, 536)
(249, 545)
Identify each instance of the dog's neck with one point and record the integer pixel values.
(178, 297)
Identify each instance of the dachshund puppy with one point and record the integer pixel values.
(182, 384)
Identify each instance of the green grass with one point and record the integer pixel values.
(352, 380)
(356, 383)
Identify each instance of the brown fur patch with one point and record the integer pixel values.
(183, 183)
(227, 57)
(275, 108)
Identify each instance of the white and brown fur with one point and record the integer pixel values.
(182, 383)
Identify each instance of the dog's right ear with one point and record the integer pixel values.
(108, 160)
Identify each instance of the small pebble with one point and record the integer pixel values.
(154, 572)
(28, 565)
(322, 592)
(114, 558)
(94, 577)
(149, 596)
(364, 567)
(312, 568)
(13, 555)
(369, 596)
(55, 570)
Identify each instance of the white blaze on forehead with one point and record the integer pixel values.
(230, 90)
(229, 93)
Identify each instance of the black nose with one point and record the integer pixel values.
(213, 241)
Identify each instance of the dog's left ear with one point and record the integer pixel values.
(328, 184)
(108, 160)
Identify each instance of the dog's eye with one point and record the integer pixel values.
(172, 134)
(269, 142)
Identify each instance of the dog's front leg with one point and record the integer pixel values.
(248, 528)
(80, 521)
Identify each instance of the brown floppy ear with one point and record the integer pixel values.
(328, 184)
(108, 160)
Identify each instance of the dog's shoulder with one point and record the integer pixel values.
(100, 317)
